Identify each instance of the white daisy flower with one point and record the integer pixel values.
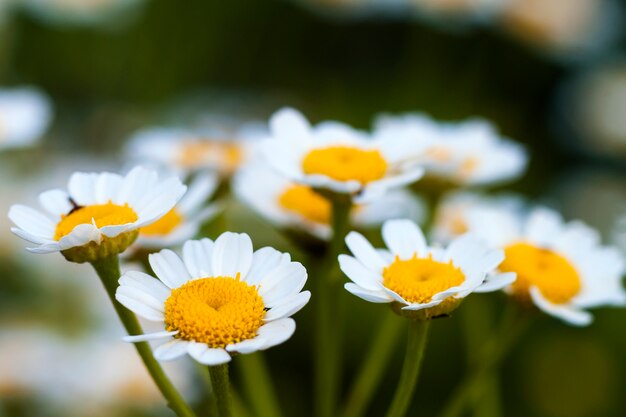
(99, 214)
(185, 151)
(183, 221)
(221, 298)
(25, 114)
(561, 267)
(337, 157)
(460, 212)
(420, 281)
(466, 153)
(291, 205)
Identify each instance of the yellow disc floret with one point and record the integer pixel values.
(164, 225)
(417, 280)
(302, 200)
(554, 275)
(197, 153)
(108, 214)
(217, 311)
(345, 163)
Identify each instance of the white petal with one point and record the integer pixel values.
(377, 189)
(232, 254)
(197, 257)
(106, 187)
(371, 296)
(169, 268)
(81, 235)
(419, 306)
(149, 336)
(198, 193)
(360, 275)
(277, 332)
(32, 221)
(281, 283)
(141, 297)
(139, 308)
(564, 312)
(82, 188)
(31, 238)
(496, 282)
(247, 346)
(55, 202)
(404, 238)
(365, 252)
(145, 283)
(171, 350)
(289, 124)
(135, 185)
(265, 260)
(289, 307)
(207, 356)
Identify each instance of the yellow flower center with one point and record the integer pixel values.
(439, 154)
(468, 166)
(418, 279)
(555, 277)
(226, 155)
(302, 200)
(108, 214)
(217, 311)
(164, 225)
(345, 163)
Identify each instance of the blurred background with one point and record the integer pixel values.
(550, 74)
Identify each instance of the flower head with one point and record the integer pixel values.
(292, 205)
(561, 267)
(221, 298)
(25, 114)
(98, 216)
(465, 153)
(337, 157)
(183, 221)
(422, 282)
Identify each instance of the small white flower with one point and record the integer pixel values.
(186, 151)
(421, 281)
(334, 156)
(561, 267)
(96, 208)
(465, 153)
(288, 204)
(220, 298)
(25, 114)
(183, 221)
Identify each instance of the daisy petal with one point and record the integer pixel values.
(139, 308)
(207, 356)
(265, 260)
(563, 312)
(277, 332)
(365, 252)
(145, 283)
(496, 282)
(171, 350)
(149, 336)
(288, 308)
(197, 257)
(404, 238)
(169, 268)
(371, 296)
(247, 346)
(232, 254)
(55, 202)
(360, 275)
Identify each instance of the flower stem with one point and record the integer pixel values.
(221, 389)
(109, 272)
(257, 385)
(373, 366)
(494, 351)
(416, 342)
(329, 321)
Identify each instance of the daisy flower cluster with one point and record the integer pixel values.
(208, 293)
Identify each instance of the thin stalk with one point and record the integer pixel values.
(258, 386)
(109, 272)
(494, 351)
(416, 342)
(221, 389)
(329, 321)
(376, 361)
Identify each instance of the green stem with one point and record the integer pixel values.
(373, 366)
(418, 332)
(494, 351)
(221, 389)
(329, 322)
(109, 272)
(258, 386)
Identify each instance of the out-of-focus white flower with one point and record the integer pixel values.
(98, 216)
(336, 157)
(465, 153)
(288, 204)
(422, 282)
(186, 151)
(25, 114)
(221, 298)
(81, 12)
(563, 26)
(183, 221)
(561, 267)
(461, 212)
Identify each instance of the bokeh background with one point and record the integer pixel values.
(550, 74)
